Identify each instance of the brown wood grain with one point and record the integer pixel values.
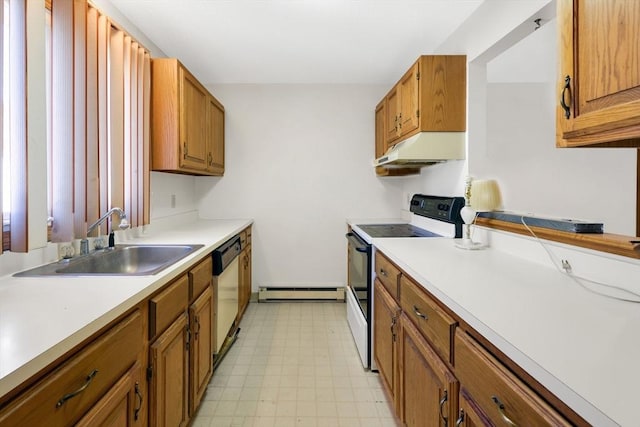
(169, 384)
(201, 348)
(600, 52)
(166, 306)
(200, 278)
(388, 274)
(386, 326)
(424, 379)
(611, 243)
(111, 355)
(484, 377)
(438, 327)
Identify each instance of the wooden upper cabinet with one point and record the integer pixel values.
(187, 122)
(215, 141)
(393, 110)
(193, 115)
(430, 97)
(599, 81)
(409, 98)
(381, 128)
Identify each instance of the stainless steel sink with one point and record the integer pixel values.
(123, 260)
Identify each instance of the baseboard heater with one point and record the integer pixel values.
(279, 294)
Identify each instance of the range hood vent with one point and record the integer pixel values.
(423, 149)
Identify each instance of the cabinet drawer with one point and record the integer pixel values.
(496, 391)
(165, 307)
(200, 278)
(245, 237)
(90, 373)
(388, 274)
(436, 325)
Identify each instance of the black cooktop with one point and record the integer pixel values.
(395, 230)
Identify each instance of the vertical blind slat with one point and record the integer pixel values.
(127, 122)
(18, 123)
(93, 165)
(147, 138)
(79, 118)
(116, 109)
(104, 35)
(62, 121)
(133, 184)
(2, 95)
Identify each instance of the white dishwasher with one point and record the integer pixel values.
(226, 280)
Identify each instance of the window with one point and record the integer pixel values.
(98, 131)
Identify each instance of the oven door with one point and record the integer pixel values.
(359, 295)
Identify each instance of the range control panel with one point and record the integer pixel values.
(445, 209)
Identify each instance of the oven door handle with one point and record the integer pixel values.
(357, 242)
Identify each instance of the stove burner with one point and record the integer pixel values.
(395, 230)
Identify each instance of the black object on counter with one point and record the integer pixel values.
(568, 225)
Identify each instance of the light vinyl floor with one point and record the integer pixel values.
(294, 364)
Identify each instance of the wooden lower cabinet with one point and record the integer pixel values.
(385, 324)
(498, 394)
(469, 415)
(81, 384)
(122, 406)
(201, 347)
(169, 367)
(428, 388)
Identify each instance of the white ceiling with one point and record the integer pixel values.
(297, 41)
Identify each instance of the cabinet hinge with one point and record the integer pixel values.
(418, 113)
(149, 372)
(417, 76)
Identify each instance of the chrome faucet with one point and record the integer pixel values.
(124, 224)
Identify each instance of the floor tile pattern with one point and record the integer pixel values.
(294, 364)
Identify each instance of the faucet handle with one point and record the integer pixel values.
(84, 247)
(112, 239)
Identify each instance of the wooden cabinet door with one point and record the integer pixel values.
(122, 406)
(215, 137)
(496, 391)
(599, 56)
(169, 382)
(393, 110)
(428, 387)
(381, 128)
(409, 100)
(245, 281)
(385, 332)
(201, 347)
(469, 414)
(193, 119)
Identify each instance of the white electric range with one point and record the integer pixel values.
(432, 217)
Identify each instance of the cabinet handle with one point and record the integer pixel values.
(395, 127)
(383, 273)
(188, 332)
(500, 406)
(197, 320)
(442, 401)
(137, 410)
(567, 88)
(394, 319)
(184, 150)
(73, 394)
(419, 313)
(460, 419)
(210, 159)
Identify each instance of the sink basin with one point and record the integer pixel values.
(123, 260)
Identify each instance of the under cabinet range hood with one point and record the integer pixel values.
(423, 149)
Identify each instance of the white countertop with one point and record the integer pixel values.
(584, 348)
(42, 318)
